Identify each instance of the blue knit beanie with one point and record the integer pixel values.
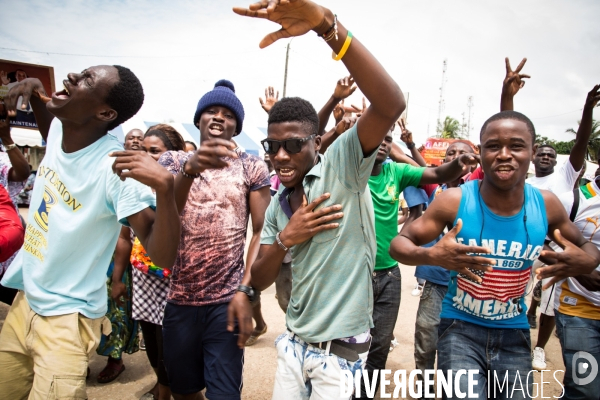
(222, 95)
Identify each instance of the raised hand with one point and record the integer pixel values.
(307, 221)
(572, 261)
(359, 111)
(406, 135)
(270, 99)
(346, 123)
(344, 88)
(593, 97)
(210, 156)
(338, 112)
(140, 166)
(27, 87)
(513, 81)
(450, 254)
(296, 17)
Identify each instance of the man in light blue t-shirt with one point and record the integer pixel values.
(80, 196)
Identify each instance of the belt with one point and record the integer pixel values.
(345, 350)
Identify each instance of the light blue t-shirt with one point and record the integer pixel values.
(72, 228)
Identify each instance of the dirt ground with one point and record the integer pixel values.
(260, 359)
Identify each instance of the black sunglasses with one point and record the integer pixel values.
(291, 146)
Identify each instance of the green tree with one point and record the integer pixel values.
(593, 150)
(561, 147)
(450, 129)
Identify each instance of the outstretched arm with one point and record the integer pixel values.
(577, 157)
(208, 156)
(513, 82)
(451, 171)
(33, 93)
(299, 17)
(158, 230)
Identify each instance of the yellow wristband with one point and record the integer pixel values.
(344, 49)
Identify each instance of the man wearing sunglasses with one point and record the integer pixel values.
(324, 214)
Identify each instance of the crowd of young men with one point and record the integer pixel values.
(335, 214)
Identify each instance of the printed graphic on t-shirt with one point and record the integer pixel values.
(499, 293)
(392, 192)
(54, 191)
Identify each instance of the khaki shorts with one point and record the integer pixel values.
(46, 357)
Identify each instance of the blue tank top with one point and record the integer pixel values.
(515, 242)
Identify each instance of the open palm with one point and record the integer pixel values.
(296, 17)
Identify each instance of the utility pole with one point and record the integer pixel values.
(287, 56)
(406, 110)
(470, 105)
(441, 102)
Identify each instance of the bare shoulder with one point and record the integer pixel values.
(445, 205)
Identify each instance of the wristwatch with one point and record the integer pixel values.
(249, 292)
(9, 147)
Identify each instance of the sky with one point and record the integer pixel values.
(179, 49)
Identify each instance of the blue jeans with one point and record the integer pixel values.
(578, 334)
(427, 324)
(387, 285)
(498, 352)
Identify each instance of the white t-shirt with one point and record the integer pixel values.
(571, 297)
(76, 205)
(561, 180)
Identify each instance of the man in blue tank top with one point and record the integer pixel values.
(483, 321)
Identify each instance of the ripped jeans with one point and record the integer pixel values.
(307, 372)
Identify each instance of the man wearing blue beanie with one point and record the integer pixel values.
(203, 344)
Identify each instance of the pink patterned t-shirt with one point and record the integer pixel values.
(210, 262)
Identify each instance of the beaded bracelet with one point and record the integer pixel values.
(332, 31)
(186, 175)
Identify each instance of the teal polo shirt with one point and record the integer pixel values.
(332, 295)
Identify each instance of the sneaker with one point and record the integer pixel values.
(393, 344)
(417, 291)
(532, 319)
(538, 359)
(142, 344)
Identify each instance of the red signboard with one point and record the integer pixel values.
(435, 149)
